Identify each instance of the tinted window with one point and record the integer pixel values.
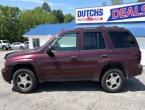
(67, 42)
(93, 40)
(123, 40)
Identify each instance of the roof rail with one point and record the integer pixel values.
(100, 27)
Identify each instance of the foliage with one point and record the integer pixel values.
(115, 2)
(141, 0)
(46, 7)
(104, 3)
(68, 18)
(14, 23)
(32, 18)
(59, 15)
(10, 23)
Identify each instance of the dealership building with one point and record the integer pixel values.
(128, 16)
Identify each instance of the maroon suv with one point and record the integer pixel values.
(108, 55)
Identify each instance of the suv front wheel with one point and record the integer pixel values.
(112, 80)
(24, 81)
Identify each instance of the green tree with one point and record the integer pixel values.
(115, 2)
(10, 28)
(32, 18)
(14, 23)
(141, 0)
(104, 3)
(59, 15)
(46, 7)
(68, 18)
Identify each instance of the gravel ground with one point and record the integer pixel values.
(73, 96)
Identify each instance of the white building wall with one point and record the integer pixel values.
(141, 42)
(30, 42)
(42, 39)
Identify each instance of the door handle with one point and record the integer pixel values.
(104, 56)
(73, 58)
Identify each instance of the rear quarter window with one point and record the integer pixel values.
(123, 39)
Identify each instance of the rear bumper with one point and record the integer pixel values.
(6, 75)
(140, 69)
(137, 70)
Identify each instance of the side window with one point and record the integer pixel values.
(67, 42)
(93, 40)
(123, 40)
(0, 42)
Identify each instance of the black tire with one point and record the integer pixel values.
(10, 48)
(112, 85)
(21, 47)
(4, 47)
(29, 78)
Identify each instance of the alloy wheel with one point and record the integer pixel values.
(24, 81)
(113, 81)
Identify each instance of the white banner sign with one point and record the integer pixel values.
(116, 13)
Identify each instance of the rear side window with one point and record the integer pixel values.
(123, 40)
(93, 40)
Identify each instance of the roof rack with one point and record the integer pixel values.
(100, 27)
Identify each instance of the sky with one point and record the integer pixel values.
(67, 6)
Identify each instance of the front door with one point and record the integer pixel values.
(64, 64)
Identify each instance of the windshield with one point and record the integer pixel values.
(5, 41)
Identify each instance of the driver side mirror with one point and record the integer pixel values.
(50, 51)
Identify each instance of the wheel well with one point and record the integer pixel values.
(113, 66)
(23, 66)
(3, 46)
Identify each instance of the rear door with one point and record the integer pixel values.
(94, 52)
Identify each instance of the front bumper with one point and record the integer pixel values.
(6, 75)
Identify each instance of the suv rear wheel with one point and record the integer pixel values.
(112, 80)
(24, 81)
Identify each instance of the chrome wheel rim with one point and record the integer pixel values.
(113, 81)
(24, 81)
